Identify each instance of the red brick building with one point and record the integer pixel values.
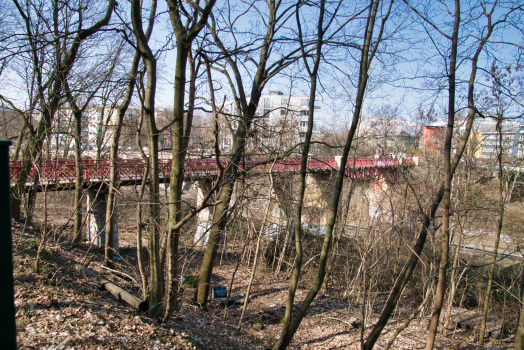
(432, 140)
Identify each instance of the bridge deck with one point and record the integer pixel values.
(61, 174)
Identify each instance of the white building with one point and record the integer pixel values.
(275, 113)
(385, 136)
(512, 138)
(97, 124)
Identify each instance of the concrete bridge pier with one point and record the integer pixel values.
(317, 201)
(205, 216)
(281, 206)
(96, 218)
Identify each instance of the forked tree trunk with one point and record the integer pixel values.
(155, 263)
(287, 330)
(49, 106)
(180, 139)
(239, 142)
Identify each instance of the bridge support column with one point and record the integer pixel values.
(96, 218)
(281, 206)
(317, 200)
(205, 216)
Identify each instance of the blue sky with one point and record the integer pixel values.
(404, 73)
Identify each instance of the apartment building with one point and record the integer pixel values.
(279, 117)
(512, 137)
(96, 126)
(483, 141)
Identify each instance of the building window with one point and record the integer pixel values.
(303, 123)
(266, 112)
(304, 112)
(302, 134)
(283, 111)
(305, 102)
(266, 103)
(284, 101)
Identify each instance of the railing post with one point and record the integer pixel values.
(7, 323)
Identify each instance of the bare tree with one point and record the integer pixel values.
(429, 213)
(185, 35)
(246, 106)
(49, 80)
(79, 98)
(498, 108)
(368, 52)
(150, 62)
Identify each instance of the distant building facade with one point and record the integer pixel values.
(512, 137)
(432, 138)
(276, 114)
(388, 135)
(483, 141)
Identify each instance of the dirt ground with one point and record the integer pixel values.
(60, 308)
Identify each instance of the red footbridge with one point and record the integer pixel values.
(61, 174)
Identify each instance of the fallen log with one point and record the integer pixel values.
(112, 288)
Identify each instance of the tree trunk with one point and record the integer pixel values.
(502, 206)
(139, 255)
(453, 286)
(180, 138)
(43, 233)
(118, 292)
(519, 337)
(179, 151)
(155, 263)
(77, 234)
(239, 142)
(441, 287)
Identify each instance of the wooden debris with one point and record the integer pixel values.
(118, 292)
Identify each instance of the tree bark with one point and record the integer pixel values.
(155, 263)
(77, 234)
(180, 138)
(113, 157)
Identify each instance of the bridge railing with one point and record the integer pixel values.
(48, 171)
(64, 171)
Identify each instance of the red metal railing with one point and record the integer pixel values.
(64, 171)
